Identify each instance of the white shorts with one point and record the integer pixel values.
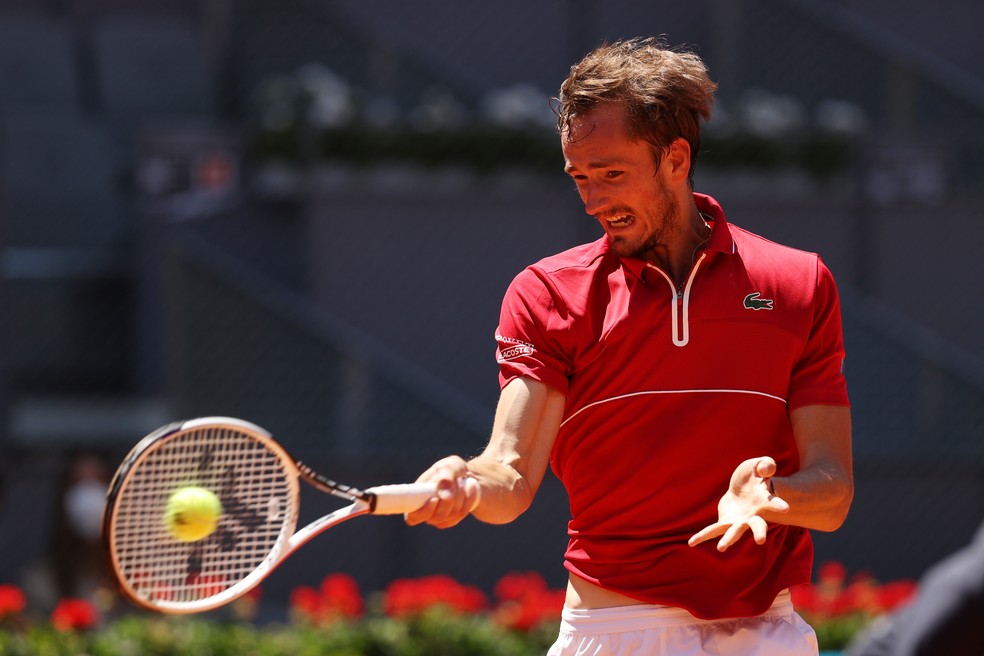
(668, 631)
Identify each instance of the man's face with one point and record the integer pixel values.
(620, 182)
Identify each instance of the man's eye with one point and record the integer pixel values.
(613, 174)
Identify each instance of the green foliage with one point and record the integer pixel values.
(820, 155)
(838, 606)
(429, 616)
(486, 148)
(434, 633)
(837, 633)
(314, 116)
(483, 148)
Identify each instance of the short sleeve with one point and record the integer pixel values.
(531, 333)
(818, 377)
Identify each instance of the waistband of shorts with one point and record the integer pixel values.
(638, 617)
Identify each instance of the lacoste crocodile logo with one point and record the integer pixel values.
(753, 302)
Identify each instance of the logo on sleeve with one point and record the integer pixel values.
(753, 302)
(511, 348)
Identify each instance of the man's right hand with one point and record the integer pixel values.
(458, 493)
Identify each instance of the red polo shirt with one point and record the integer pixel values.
(667, 391)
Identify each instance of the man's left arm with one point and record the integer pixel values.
(820, 493)
(817, 496)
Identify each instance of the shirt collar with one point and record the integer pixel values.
(721, 239)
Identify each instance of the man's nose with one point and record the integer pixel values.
(595, 199)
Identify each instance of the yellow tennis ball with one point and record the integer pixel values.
(192, 513)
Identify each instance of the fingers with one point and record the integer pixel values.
(757, 525)
(765, 467)
(457, 495)
(739, 510)
(708, 533)
(759, 529)
(473, 492)
(731, 533)
(448, 507)
(731, 536)
(779, 505)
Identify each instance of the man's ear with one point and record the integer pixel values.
(677, 158)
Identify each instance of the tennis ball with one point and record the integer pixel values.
(192, 513)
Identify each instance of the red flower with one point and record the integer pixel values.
(304, 597)
(532, 610)
(74, 615)
(342, 595)
(895, 594)
(12, 600)
(805, 598)
(338, 597)
(526, 601)
(832, 597)
(516, 585)
(405, 597)
(832, 573)
(306, 601)
(861, 596)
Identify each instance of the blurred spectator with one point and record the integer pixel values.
(944, 618)
(75, 565)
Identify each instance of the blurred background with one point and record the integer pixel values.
(305, 212)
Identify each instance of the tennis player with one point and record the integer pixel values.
(682, 377)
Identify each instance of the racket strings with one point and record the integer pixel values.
(258, 493)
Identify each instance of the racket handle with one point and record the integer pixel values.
(404, 498)
(401, 498)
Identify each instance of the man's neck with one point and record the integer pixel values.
(677, 259)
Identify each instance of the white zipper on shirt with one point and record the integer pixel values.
(681, 305)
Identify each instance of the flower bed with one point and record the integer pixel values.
(434, 615)
(838, 607)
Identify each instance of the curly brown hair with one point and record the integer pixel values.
(665, 92)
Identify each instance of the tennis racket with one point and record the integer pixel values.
(256, 481)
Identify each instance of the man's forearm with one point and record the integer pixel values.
(818, 497)
(506, 494)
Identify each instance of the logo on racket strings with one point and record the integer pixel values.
(239, 518)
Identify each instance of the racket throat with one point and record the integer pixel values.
(367, 499)
(334, 488)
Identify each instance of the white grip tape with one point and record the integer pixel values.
(405, 498)
(400, 499)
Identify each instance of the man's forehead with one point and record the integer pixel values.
(608, 116)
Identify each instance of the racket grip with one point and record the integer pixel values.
(401, 498)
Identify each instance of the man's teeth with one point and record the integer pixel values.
(620, 221)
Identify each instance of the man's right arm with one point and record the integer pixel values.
(510, 469)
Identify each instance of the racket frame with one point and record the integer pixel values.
(362, 502)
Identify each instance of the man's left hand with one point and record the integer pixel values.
(741, 508)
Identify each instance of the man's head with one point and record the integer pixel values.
(665, 92)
